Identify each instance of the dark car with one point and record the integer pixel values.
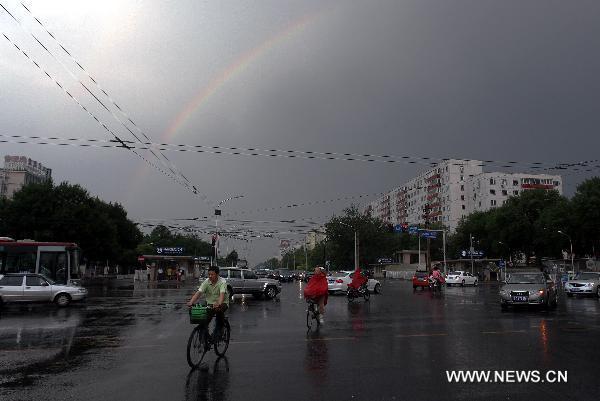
(286, 275)
(420, 279)
(262, 273)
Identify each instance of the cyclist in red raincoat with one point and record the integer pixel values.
(317, 290)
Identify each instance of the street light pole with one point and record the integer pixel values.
(571, 245)
(471, 250)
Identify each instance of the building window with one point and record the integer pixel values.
(493, 191)
(556, 183)
(463, 207)
(515, 192)
(493, 202)
(462, 178)
(462, 197)
(492, 181)
(462, 187)
(504, 192)
(479, 203)
(515, 183)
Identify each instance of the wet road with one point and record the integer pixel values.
(130, 344)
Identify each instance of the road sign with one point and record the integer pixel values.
(501, 263)
(398, 228)
(429, 234)
(413, 229)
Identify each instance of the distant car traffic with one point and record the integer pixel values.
(29, 287)
(584, 283)
(420, 279)
(528, 288)
(461, 278)
(338, 282)
(262, 273)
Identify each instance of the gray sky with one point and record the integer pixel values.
(491, 80)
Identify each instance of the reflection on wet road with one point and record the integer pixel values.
(130, 343)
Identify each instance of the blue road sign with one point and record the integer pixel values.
(429, 234)
(398, 228)
(413, 229)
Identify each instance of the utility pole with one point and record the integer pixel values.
(471, 251)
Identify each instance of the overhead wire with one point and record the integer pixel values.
(175, 174)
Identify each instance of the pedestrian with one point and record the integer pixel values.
(148, 272)
(161, 274)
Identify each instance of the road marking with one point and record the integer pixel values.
(504, 332)
(422, 335)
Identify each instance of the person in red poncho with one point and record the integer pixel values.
(358, 279)
(318, 291)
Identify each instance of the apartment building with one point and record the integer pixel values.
(453, 189)
(19, 171)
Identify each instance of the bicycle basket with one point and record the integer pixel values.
(199, 314)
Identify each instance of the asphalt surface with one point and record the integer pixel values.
(130, 344)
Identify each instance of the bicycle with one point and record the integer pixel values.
(201, 341)
(312, 313)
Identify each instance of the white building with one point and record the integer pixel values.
(451, 190)
(488, 190)
(19, 171)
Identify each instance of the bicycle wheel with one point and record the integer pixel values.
(367, 295)
(308, 319)
(196, 348)
(222, 343)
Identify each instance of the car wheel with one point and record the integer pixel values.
(62, 300)
(414, 287)
(377, 289)
(597, 293)
(463, 283)
(270, 292)
(475, 283)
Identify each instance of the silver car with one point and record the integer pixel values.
(528, 288)
(584, 283)
(29, 287)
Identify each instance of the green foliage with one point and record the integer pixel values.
(44, 212)
(161, 236)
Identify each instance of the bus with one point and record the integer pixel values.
(58, 261)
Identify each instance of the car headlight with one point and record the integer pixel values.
(82, 290)
(589, 284)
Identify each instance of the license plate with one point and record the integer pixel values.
(575, 289)
(331, 281)
(519, 298)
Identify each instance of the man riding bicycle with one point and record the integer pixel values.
(214, 290)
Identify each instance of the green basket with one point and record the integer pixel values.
(199, 314)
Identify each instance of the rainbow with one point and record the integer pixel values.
(233, 69)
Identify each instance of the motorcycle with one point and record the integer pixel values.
(435, 285)
(362, 291)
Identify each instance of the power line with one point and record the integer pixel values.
(171, 167)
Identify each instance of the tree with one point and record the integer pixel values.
(231, 259)
(44, 212)
(374, 238)
(586, 210)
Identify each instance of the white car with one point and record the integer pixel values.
(338, 282)
(461, 278)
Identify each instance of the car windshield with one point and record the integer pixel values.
(586, 276)
(456, 273)
(525, 278)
